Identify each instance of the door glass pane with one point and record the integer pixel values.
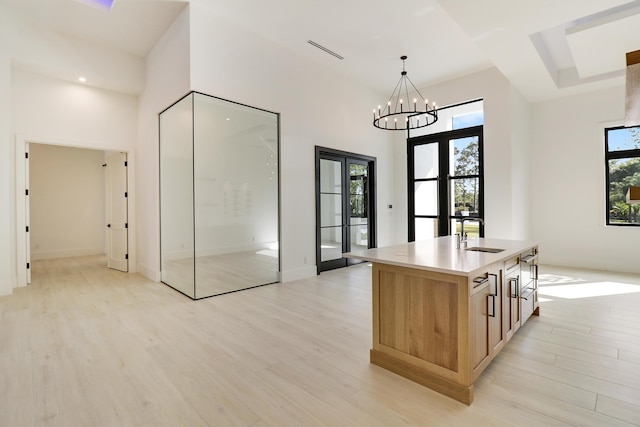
(331, 202)
(359, 236)
(426, 198)
(331, 210)
(464, 156)
(330, 176)
(426, 228)
(471, 227)
(331, 243)
(425, 164)
(623, 173)
(358, 190)
(465, 196)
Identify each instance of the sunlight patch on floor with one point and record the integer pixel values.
(588, 290)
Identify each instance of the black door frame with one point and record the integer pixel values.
(345, 157)
(442, 139)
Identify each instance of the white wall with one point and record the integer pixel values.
(568, 194)
(167, 80)
(67, 201)
(8, 274)
(317, 108)
(521, 174)
(505, 133)
(49, 108)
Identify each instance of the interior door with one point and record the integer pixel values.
(27, 214)
(117, 222)
(345, 206)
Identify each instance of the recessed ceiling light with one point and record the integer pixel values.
(82, 79)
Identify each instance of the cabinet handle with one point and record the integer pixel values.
(514, 290)
(535, 272)
(479, 281)
(495, 283)
(493, 306)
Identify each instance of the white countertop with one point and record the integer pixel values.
(441, 255)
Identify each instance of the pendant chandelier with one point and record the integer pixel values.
(402, 114)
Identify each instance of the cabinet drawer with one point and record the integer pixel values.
(511, 264)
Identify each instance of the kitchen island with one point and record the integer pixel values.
(441, 314)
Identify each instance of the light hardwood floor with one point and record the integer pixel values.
(87, 346)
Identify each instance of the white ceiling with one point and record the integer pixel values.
(546, 48)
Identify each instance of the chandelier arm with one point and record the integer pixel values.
(406, 90)
(391, 97)
(416, 90)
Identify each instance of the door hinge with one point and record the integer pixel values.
(126, 256)
(126, 194)
(26, 155)
(125, 163)
(27, 228)
(26, 192)
(126, 225)
(28, 266)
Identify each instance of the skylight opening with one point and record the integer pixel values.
(105, 5)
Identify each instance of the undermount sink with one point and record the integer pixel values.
(483, 249)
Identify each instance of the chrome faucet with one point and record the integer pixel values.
(463, 236)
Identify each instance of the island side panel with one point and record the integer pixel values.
(419, 316)
(418, 325)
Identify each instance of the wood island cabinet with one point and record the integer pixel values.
(442, 314)
(486, 307)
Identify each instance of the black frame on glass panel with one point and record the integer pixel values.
(192, 95)
(622, 170)
(445, 179)
(368, 209)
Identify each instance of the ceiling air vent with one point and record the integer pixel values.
(329, 51)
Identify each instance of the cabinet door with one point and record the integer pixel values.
(494, 309)
(511, 308)
(478, 305)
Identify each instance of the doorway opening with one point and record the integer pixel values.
(75, 204)
(345, 206)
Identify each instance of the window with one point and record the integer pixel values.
(622, 164)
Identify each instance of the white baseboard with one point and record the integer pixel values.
(65, 253)
(299, 273)
(149, 273)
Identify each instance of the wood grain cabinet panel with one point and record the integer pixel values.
(419, 316)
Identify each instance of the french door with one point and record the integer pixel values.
(446, 184)
(345, 206)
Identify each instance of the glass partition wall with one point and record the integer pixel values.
(219, 196)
